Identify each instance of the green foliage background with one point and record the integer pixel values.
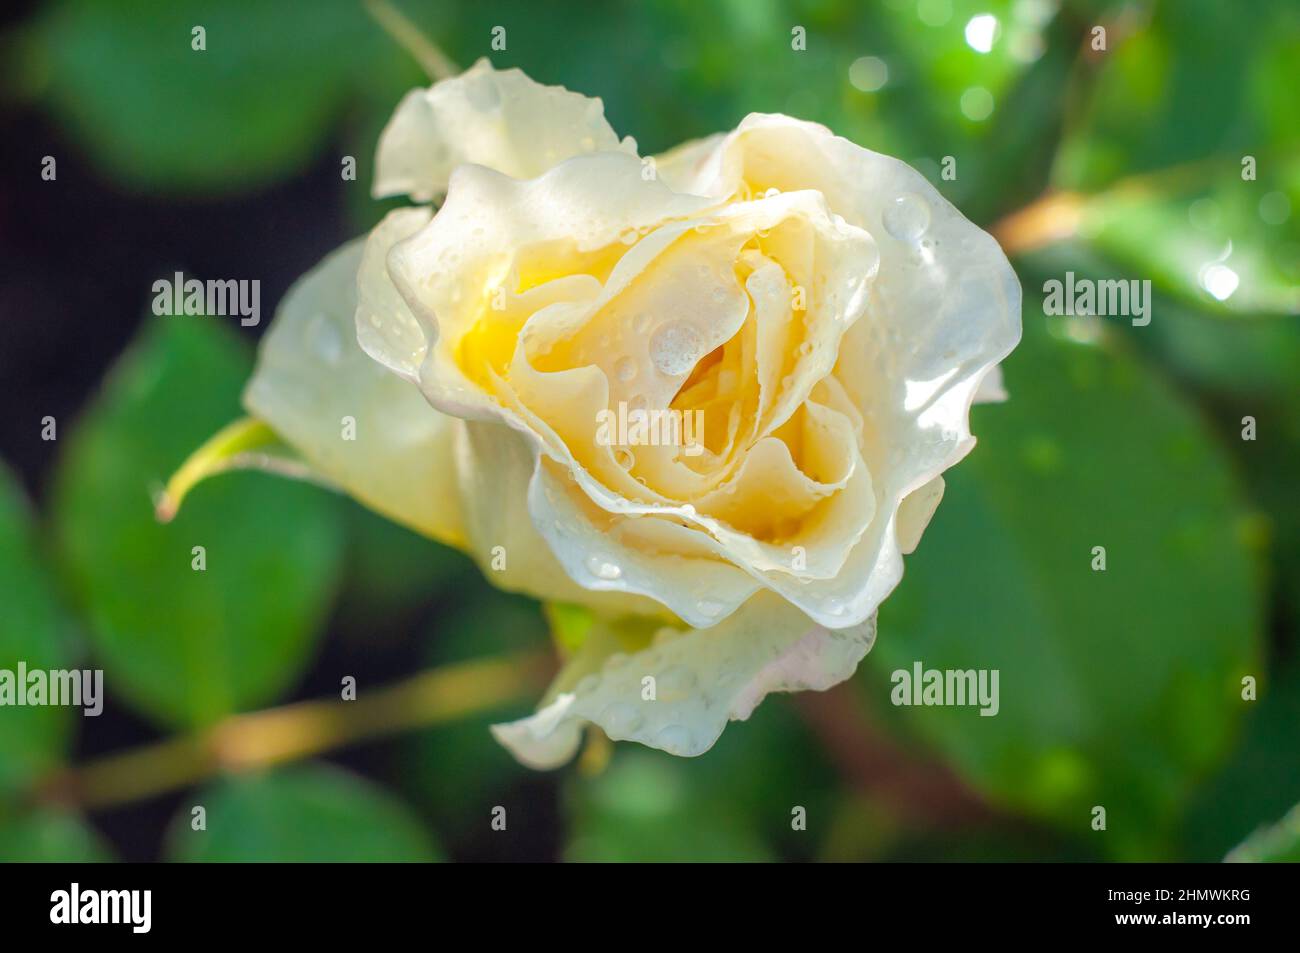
(1120, 688)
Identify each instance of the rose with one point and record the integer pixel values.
(825, 312)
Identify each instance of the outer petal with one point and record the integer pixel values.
(681, 166)
(311, 374)
(704, 678)
(496, 118)
(991, 389)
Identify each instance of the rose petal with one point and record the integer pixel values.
(703, 678)
(497, 469)
(915, 513)
(311, 374)
(500, 119)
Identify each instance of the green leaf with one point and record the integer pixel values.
(34, 630)
(736, 803)
(1118, 688)
(311, 813)
(641, 810)
(256, 104)
(183, 645)
(46, 836)
(1187, 141)
(458, 771)
(1220, 246)
(392, 572)
(1261, 779)
(1279, 844)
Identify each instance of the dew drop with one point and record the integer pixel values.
(620, 719)
(675, 739)
(602, 568)
(625, 369)
(641, 323)
(675, 348)
(625, 459)
(709, 608)
(907, 217)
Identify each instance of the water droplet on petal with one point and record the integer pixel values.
(907, 217)
(708, 608)
(620, 719)
(625, 369)
(675, 739)
(675, 348)
(602, 568)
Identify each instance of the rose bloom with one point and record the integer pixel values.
(822, 314)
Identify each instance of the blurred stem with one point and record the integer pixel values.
(1057, 216)
(1051, 218)
(278, 735)
(921, 792)
(407, 35)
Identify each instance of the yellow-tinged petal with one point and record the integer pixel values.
(500, 119)
(354, 420)
(699, 680)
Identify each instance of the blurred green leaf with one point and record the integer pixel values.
(642, 809)
(458, 770)
(35, 630)
(1183, 82)
(256, 104)
(1117, 687)
(1217, 247)
(1279, 844)
(186, 646)
(735, 803)
(1261, 779)
(393, 571)
(310, 813)
(1185, 98)
(46, 836)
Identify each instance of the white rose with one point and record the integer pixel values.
(829, 315)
